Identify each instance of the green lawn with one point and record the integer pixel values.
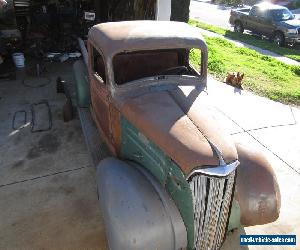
(249, 39)
(264, 75)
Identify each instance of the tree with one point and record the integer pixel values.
(120, 10)
(180, 10)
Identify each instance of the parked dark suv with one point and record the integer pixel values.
(273, 21)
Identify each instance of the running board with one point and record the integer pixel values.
(96, 146)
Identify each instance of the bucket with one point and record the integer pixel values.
(19, 60)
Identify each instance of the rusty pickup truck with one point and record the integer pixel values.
(174, 179)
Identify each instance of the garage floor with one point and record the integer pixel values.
(48, 196)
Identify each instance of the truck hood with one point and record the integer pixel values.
(182, 126)
(294, 23)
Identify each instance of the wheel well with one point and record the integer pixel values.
(278, 32)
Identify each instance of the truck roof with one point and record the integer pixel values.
(269, 6)
(116, 37)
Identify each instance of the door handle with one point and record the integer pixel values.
(137, 155)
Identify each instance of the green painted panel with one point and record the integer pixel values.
(180, 191)
(235, 215)
(135, 146)
(82, 84)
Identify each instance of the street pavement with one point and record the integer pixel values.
(213, 14)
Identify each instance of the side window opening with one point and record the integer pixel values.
(99, 66)
(253, 11)
(195, 58)
(262, 13)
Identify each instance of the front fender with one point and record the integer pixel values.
(257, 192)
(138, 212)
(82, 84)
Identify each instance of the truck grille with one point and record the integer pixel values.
(211, 198)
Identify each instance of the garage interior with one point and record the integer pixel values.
(48, 30)
(48, 195)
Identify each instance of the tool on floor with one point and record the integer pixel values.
(18, 113)
(44, 110)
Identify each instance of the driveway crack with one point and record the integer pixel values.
(42, 176)
(248, 132)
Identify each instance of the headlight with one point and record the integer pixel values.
(292, 31)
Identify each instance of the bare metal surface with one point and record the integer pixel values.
(211, 197)
(137, 210)
(117, 37)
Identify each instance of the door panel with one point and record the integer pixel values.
(254, 20)
(260, 23)
(100, 104)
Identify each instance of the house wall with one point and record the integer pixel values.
(163, 10)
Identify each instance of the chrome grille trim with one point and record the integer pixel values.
(211, 200)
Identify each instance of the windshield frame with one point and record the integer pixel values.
(200, 79)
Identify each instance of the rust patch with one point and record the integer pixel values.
(257, 190)
(115, 127)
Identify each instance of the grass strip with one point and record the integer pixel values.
(249, 39)
(264, 75)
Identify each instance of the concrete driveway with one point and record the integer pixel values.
(273, 128)
(48, 196)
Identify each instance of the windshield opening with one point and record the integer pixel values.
(282, 15)
(140, 64)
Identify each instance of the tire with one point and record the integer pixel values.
(238, 27)
(278, 39)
